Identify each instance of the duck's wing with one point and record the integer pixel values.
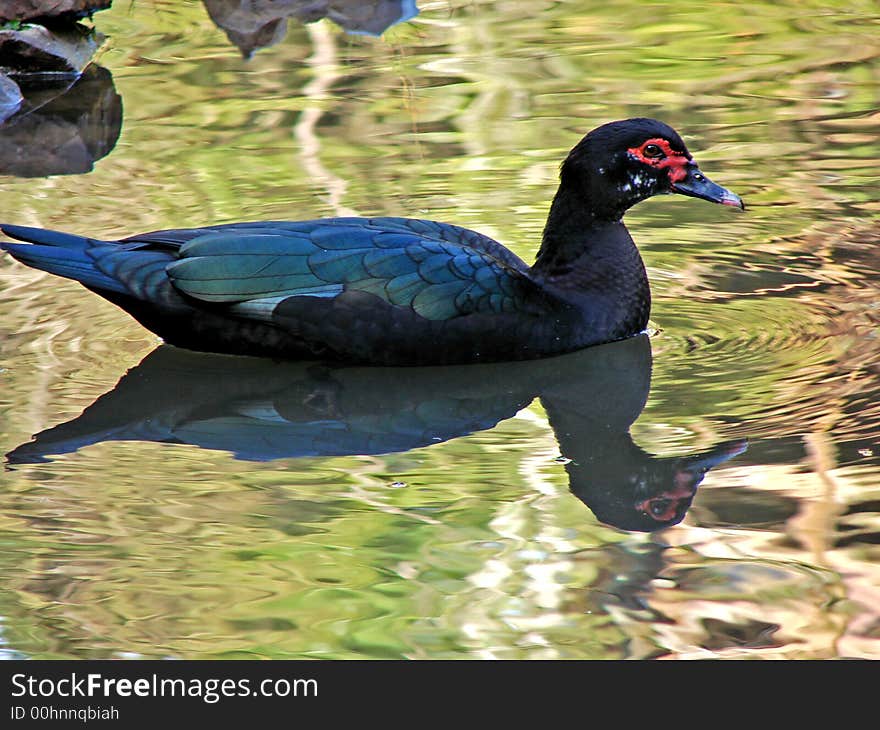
(438, 271)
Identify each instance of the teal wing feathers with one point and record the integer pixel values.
(379, 290)
(437, 271)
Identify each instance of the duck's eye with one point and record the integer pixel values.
(652, 150)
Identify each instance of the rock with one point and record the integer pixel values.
(43, 9)
(370, 18)
(10, 98)
(62, 130)
(35, 49)
(253, 24)
(250, 25)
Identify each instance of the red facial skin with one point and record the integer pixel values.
(674, 161)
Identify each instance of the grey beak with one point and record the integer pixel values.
(697, 185)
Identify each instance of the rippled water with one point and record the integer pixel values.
(212, 507)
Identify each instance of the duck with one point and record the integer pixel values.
(392, 290)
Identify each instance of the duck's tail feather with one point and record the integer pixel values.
(47, 238)
(62, 254)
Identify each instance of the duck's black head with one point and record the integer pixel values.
(622, 163)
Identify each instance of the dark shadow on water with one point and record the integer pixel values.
(64, 125)
(255, 24)
(262, 410)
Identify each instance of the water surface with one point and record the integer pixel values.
(224, 508)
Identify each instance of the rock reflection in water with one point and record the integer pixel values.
(11, 98)
(254, 24)
(262, 410)
(63, 126)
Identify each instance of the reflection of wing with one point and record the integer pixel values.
(261, 410)
(260, 433)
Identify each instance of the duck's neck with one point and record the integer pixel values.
(592, 258)
(577, 234)
(568, 231)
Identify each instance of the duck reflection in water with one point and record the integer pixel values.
(262, 410)
(255, 24)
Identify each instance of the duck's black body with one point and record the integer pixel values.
(398, 291)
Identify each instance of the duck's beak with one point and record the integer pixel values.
(697, 185)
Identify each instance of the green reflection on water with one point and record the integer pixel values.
(768, 329)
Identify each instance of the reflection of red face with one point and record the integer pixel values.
(665, 506)
(658, 153)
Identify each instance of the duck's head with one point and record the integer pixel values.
(622, 163)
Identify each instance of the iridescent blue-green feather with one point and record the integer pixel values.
(436, 279)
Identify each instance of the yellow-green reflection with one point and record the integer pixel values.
(768, 326)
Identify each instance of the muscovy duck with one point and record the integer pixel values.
(399, 291)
